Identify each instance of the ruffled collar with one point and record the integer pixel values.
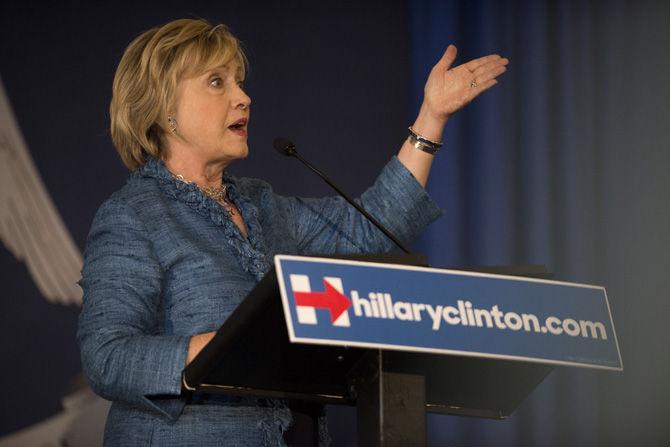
(251, 250)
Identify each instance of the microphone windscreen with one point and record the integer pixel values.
(284, 146)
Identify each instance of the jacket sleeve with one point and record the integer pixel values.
(124, 354)
(331, 225)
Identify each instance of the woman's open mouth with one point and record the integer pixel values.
(239, 127)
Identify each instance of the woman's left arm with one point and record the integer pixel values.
(397, 199)
(446, 91)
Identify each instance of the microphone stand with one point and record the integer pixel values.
(287, 148)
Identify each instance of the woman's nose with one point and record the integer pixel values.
(243, 100)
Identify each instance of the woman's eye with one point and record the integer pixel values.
(216, 82)
(240, 84)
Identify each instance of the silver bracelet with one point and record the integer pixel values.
(422, 143)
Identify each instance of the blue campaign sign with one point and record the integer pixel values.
(351, 303)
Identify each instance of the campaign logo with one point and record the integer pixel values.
(331, 298)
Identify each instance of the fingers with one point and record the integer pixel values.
(488, 72)
(473, 65)
(491, 68)
(448, 57)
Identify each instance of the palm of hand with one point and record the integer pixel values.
(450, 89)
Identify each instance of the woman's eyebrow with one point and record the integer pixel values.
(220, 70)
(226, 69)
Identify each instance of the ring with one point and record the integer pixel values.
(473, 84)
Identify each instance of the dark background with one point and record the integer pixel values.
(565, 164)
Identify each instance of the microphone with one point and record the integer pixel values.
(284, 146)
(287, 148)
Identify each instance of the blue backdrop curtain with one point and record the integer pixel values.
(565, 164)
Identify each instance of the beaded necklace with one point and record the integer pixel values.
(220, 194)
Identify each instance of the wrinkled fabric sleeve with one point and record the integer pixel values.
(123, 355)
(331, 225)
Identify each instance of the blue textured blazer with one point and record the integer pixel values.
(164, 262)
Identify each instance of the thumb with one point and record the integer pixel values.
(448, 57)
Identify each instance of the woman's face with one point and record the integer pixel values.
(212, 115)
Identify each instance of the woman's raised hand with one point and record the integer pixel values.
(448, 89)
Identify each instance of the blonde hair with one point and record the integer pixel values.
(145, 83)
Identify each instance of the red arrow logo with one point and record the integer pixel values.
(330, 299)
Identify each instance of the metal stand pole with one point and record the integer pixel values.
(391, 406)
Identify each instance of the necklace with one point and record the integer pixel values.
(220, 194)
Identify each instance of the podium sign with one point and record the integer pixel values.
(383, 306)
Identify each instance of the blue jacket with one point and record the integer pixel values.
(164, 262)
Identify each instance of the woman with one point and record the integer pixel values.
(172, 253)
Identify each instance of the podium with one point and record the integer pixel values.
(258, 352)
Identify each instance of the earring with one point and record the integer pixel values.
(172, 123)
